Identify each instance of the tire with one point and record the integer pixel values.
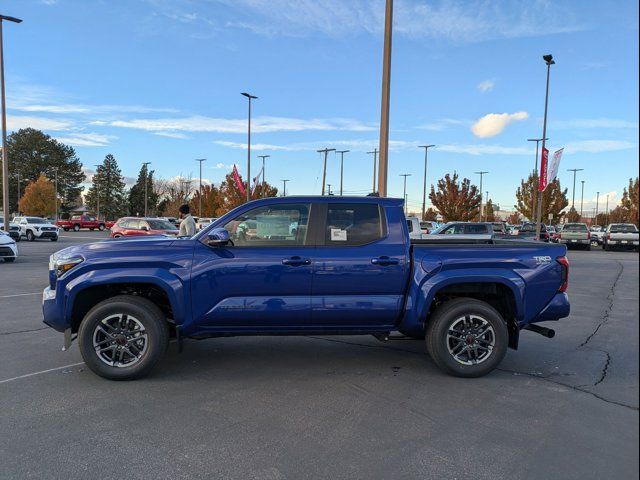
(54, 239)
(76, 228)
(101, 227)
(607, 248)
(19, 238)
(452, 315)
(9, 259)
(140, 312)
(30, 236)
(117, 235)
(66, 229)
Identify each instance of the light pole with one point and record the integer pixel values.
(264, 183)
(5, 157)
(535, 172)
(386, 100)
(341, 152)
(573, 196)
(284, 186)
(482, 174)
(404, 190)
(249, 97)
(549, 61)
(375, 162)
(595, 219)
(324, 168)
(199, 160)
(581, 198)
(424, 179)
(146, 177)
(606, 215)
(97, 194)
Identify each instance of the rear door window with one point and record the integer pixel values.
(353, 224)
(475, 229)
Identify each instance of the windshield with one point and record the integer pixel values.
(623, 229)
(575, 227)
(161, 225)
(36, 220)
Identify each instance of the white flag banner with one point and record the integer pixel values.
(555, 165)
(255, 181)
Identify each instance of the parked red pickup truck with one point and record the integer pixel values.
(77, 222)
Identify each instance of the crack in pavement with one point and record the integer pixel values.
(605, 369)
(25, 331)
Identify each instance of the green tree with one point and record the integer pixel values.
(108, 186)
(554, 200)
(456, 200)
(137, 191)
(32, 153)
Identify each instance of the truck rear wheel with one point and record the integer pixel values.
(122, 338)
(76, 228)
(467, 338)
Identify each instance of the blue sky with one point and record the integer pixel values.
(160, 81)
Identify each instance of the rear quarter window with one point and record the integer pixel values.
(353, 224)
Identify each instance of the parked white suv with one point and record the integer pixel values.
(8, 247)
(37, 227)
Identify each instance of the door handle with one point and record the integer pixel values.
(384, 261)
(296, 261)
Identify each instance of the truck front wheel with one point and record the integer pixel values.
(122, 338)
(467, 337)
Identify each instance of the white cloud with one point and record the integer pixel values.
(199, 123)
(598, 146)
(86, 139)
(66, 108)
(486, 86)
(16, 122)
(181, 136)
(494, 123)
(593, 123)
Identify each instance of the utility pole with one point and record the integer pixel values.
(97, 194)
(482, 174)
(595, 219)
(375, 162)
(146, 177)
(424, 179)
(249, 97)
(284, 186)
(324, 168)
(386, 100)
(404, 191)
(581, 198)
(264, 183)
(573, 197)
(5, 156)
(199, 160)
(549, 61)
(341, 152)
(535, 173)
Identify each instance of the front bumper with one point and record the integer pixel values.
(52, 311)
(47, 234)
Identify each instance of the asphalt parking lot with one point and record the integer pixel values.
(330, 407)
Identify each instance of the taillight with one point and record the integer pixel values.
(560, 236)
(609, 237)
(588, 235)
(564, 262)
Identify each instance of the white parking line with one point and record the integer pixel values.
(38, 373)
(20, 295)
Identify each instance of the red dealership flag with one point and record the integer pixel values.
(543, 169)
(236, 177)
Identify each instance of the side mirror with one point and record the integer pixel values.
(218, 237)
(144, 229)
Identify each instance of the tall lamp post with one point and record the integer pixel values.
(5, 157)
(404, 190)
(375, 163)
(341, 152)
(146, 178)
(581, 198)
(595, 219)
(97, 193)
(386, 101)
(424, 179)
(200, 160)
(284, 186)
(482, 174)
(249, 97)
(535, 172)
(324, 168)
(548, 59)
(573, 196)
(264, 183)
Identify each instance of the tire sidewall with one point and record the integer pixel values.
(437, 337)
(153, 322)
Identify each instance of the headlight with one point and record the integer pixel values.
(61, 264)
(37, 229)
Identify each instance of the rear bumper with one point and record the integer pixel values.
(582, 241)
(559, 307)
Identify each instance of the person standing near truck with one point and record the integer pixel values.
(188, 224)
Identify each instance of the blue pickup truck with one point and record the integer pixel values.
(303, 266)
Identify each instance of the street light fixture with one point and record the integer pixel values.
(404, 191)
(424, 180)
(249, 97)
(482, 174)
(548, 59)
(341, 152)
(3, 105)
(264, 183)
(200, 160)
(375, 162)
(284, 186)
(146, 177)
